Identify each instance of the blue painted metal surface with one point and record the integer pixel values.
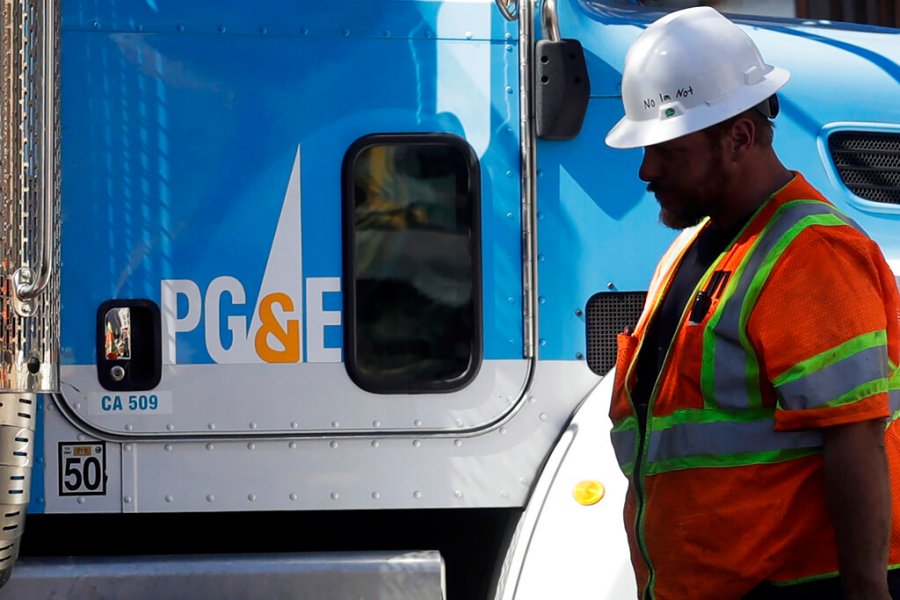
(36, 500)
(599, 228)
(201, 113)
(181, 124)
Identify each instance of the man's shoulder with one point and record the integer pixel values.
(823, 253)
(824, 240)
(801, 202)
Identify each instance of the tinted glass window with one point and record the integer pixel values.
(772, 8)
(412, 268)
(869, 12)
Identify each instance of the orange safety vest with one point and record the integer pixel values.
(802, 331)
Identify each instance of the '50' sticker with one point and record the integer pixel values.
(82, 469)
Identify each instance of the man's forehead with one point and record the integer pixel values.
(696, 139)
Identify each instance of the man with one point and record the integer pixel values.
(753, 399)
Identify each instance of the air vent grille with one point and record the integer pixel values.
(868, 163)
(608, 313)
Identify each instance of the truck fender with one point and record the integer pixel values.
(563, 548)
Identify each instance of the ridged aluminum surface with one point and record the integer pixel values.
(411, 575)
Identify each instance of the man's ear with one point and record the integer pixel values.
(741, 137)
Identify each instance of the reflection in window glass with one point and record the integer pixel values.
(869, 12)
(413, 275)
(117, 333)
(771, 8)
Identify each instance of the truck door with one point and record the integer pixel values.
(289, 219)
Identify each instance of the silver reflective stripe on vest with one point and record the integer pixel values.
(731, 389)
(817, 389)
(624, 443)
(894, 396)
(719, 438)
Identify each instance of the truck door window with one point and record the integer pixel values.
(868, 12)
(769, 8)
(412, 263)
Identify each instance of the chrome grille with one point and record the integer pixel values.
(868, 163)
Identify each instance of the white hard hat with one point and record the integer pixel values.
(688, 70)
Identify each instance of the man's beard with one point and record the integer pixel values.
(693, 205)
(680, 220)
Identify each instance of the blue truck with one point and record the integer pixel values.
(317, 299)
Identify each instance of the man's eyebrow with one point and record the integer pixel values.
(669, 146)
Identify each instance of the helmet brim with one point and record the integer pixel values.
(628, 133)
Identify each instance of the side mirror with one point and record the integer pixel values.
(562, 89)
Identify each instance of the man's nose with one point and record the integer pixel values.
(650, 165)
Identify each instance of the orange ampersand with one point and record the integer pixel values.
(270, 325)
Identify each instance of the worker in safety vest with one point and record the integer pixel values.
(754, 399)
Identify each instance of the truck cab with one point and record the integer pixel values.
(320, 297)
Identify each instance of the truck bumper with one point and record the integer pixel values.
(331, 576)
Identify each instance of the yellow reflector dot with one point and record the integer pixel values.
(588, 492)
